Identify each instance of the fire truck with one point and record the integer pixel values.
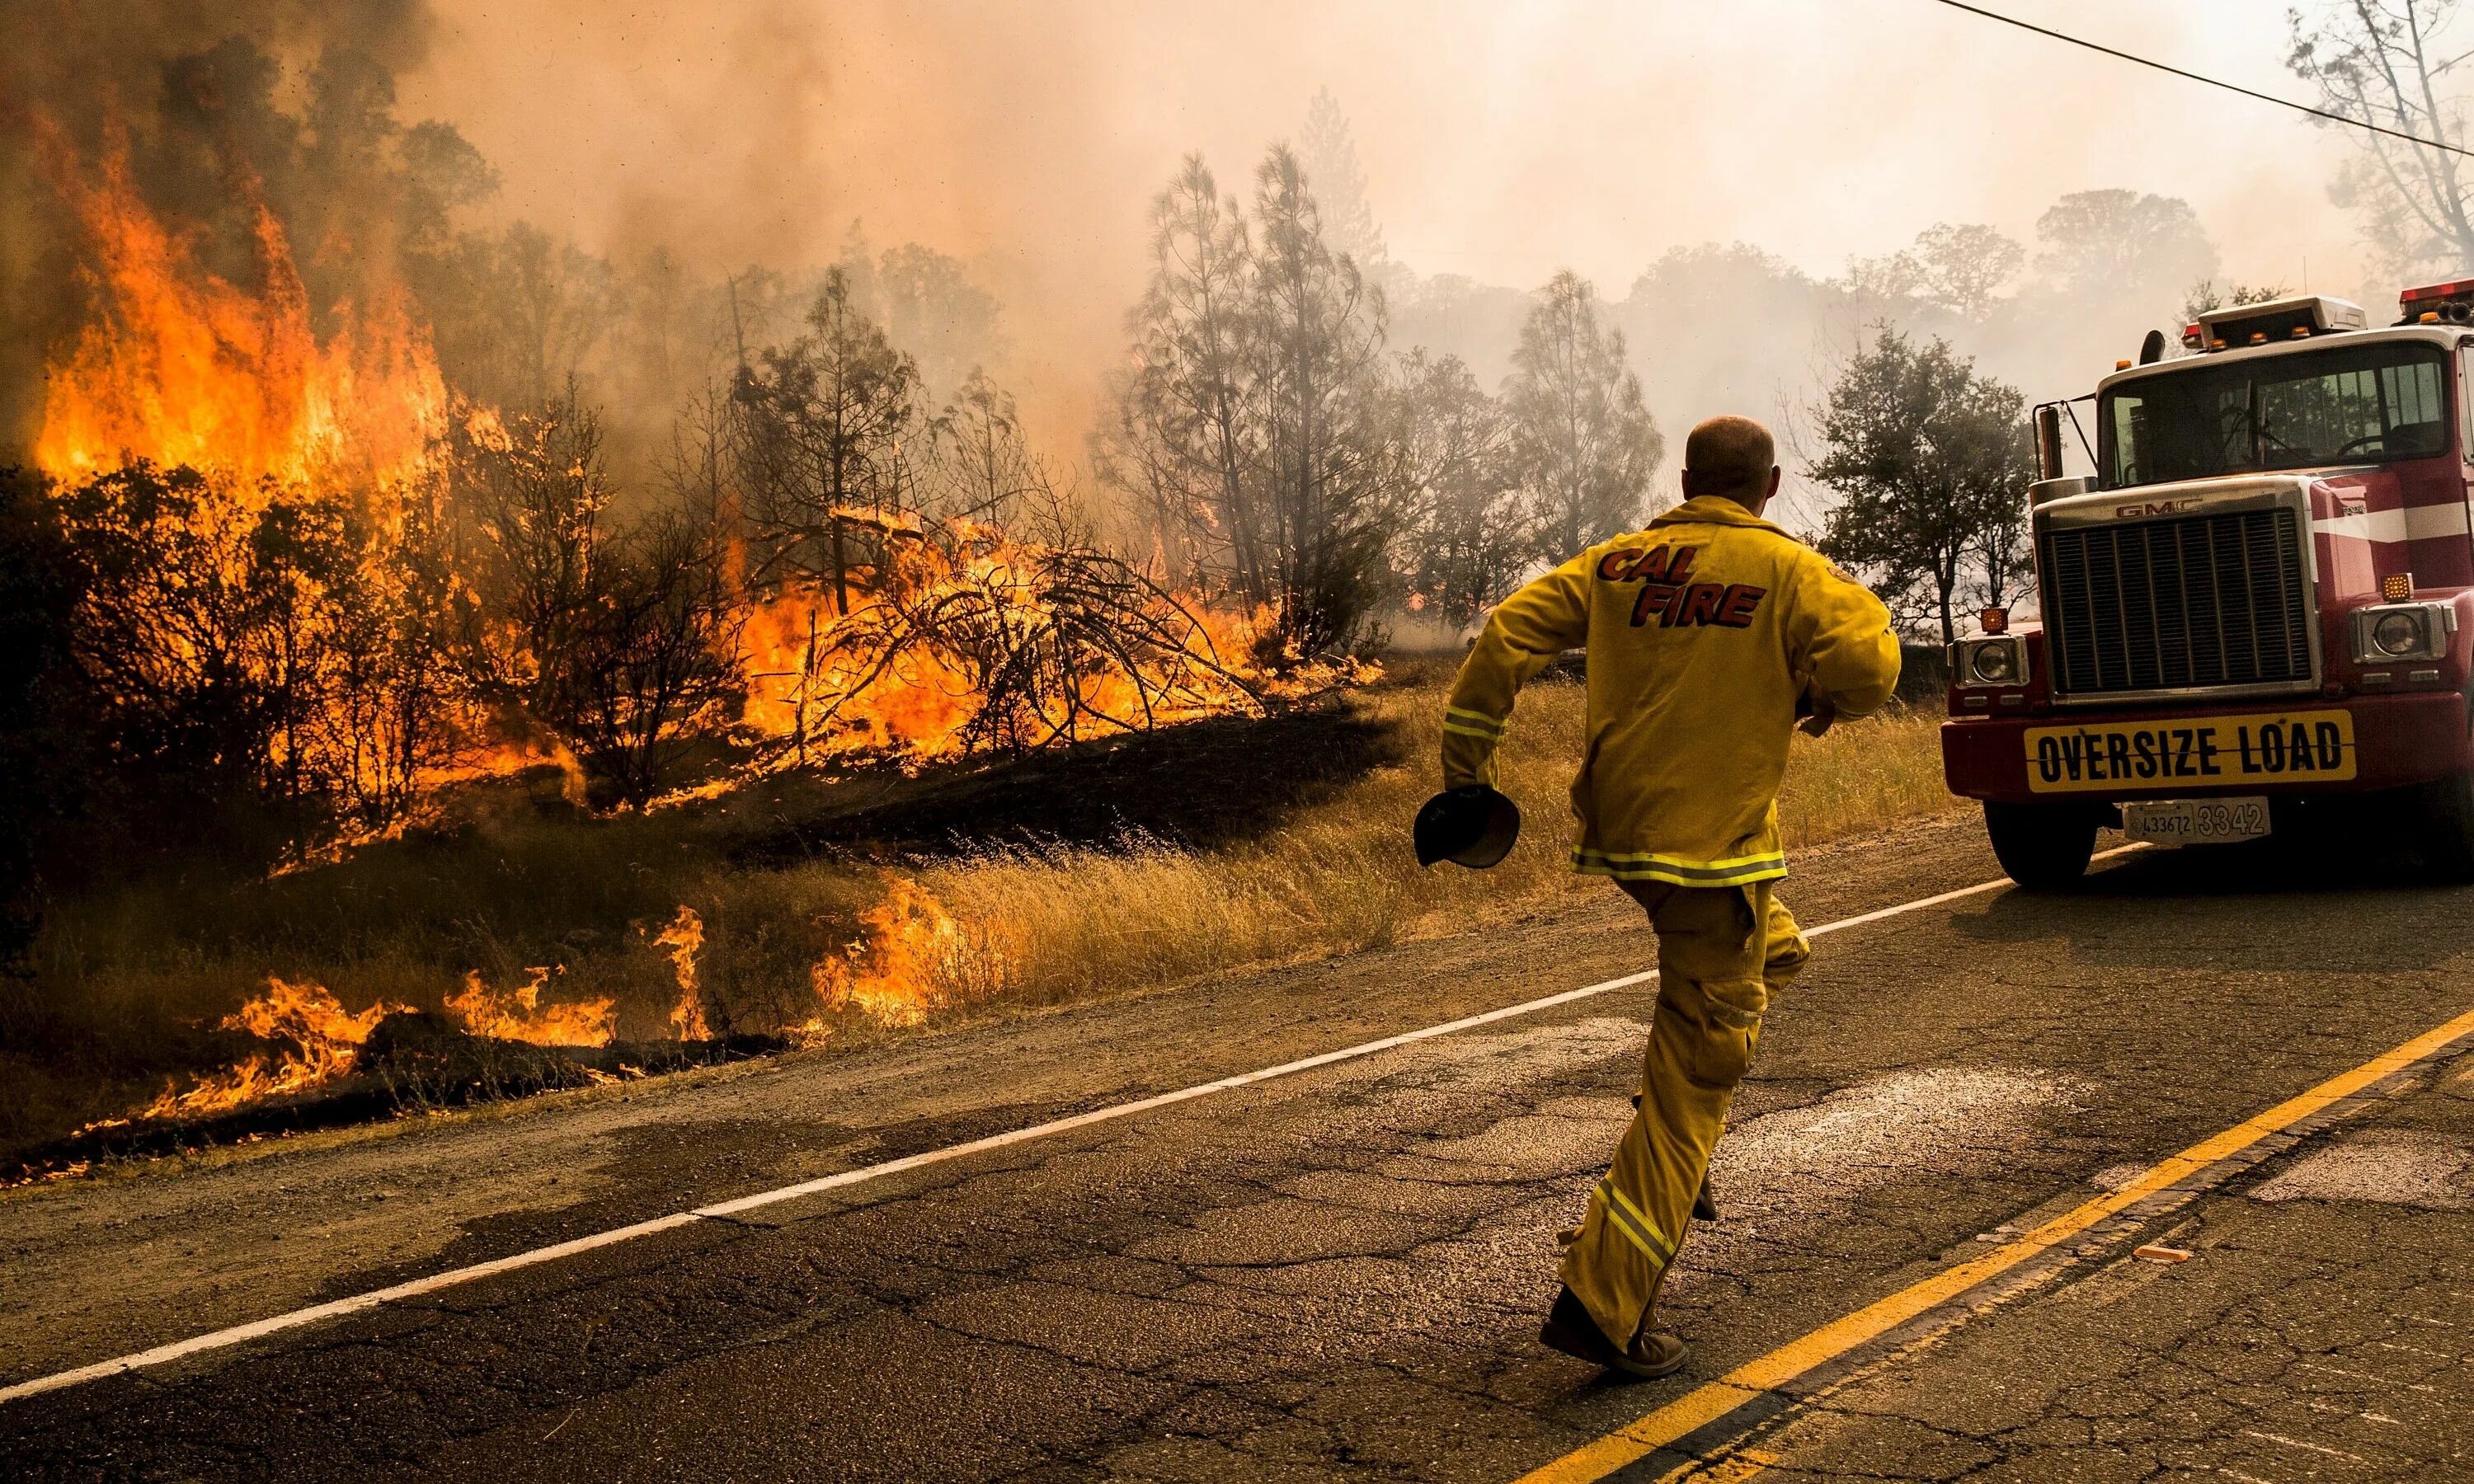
(2257, 610)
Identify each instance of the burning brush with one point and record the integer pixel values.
(684, 938)
(318, 1044)
(519, 1015)
(913, 957)
(936, 639)
(964, 640)
(327, 1065)
(320, 1038)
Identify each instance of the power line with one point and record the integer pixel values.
(2231, 87)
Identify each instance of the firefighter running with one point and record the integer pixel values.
(1707, 636)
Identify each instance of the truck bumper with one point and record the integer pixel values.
(2397, 741)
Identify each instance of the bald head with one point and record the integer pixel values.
(1732, 457)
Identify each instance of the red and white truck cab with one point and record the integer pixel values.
(2264, 596)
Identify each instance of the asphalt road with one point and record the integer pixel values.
(1338, 1274)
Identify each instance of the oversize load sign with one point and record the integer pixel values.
(2288, 746)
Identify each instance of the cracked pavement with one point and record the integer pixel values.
(1338, 1275)
(2322, 1329)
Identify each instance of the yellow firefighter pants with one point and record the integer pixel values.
(1722, 951)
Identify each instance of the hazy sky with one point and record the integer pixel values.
(1500, 139)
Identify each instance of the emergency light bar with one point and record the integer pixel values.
(2461, 288)
(2279, 319)
(2432, 303)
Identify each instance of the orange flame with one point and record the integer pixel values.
(324, 1034)
(175, 366)
(178, 366)
(519, 1015)
(685, 939)
(914, 958)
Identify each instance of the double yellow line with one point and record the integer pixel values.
(1760, 1379)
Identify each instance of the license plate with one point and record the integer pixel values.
(2281, 747)
(2195, 821)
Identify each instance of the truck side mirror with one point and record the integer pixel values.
(2048, 440)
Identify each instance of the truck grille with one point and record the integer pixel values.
(2203, 600)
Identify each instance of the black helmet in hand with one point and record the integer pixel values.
(1471, 825)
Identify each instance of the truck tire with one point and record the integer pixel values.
(2042, 846)
(2448, 828)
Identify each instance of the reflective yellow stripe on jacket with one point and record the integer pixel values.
(1644, 866)
(1463, 722)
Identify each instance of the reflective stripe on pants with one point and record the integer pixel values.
(1716, 972)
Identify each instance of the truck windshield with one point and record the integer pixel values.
(2359, 404)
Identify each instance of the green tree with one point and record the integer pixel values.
(2209, 295)
(1931, 460)
(516, 313)
(827, 418)
(1324, 481)
(1183, 438)
(981, 468)
(1256, 425)
(1465, 547)
(934, 310)
(1584, 444)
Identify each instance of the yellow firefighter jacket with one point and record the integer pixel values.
(1702, 632)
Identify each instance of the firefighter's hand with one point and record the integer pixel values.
(1819, 713)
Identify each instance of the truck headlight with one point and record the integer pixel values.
(2402, 630)
(2398, 634)
(1990, 661)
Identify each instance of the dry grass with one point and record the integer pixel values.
(1342, 878)
(129, 985)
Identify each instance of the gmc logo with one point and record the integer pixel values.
(2152, 507)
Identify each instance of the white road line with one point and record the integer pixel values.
(318, 1313)
(2297, 1442)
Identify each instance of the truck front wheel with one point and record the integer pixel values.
(2448, 828)
(2042, 846)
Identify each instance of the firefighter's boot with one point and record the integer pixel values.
(1569, 1329)
(1721, 952)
